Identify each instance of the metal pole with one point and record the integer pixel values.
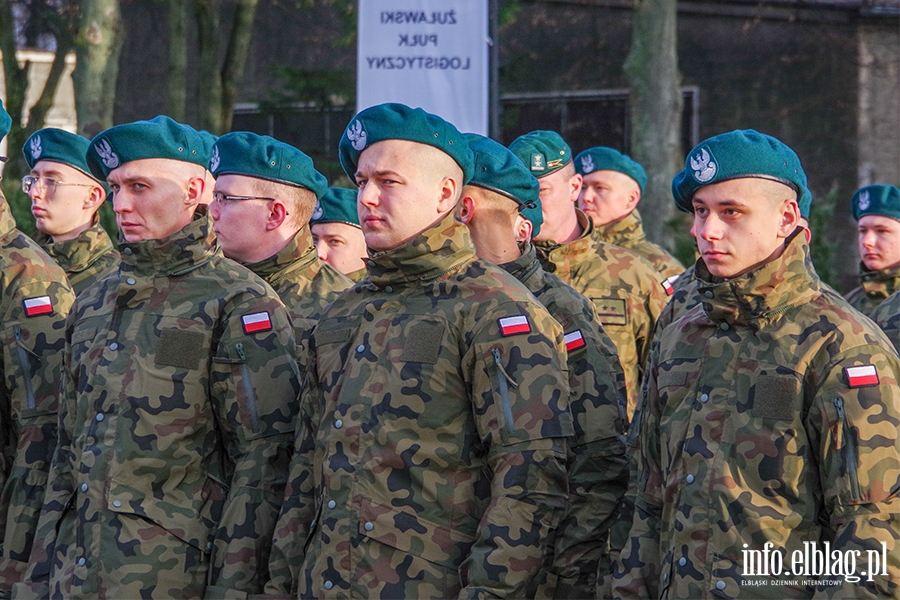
(494, 60)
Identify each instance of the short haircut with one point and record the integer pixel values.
(300, 201)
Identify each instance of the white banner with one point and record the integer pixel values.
(426, 53)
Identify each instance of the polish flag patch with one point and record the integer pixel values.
(38, 306)
(514, 325)
(862, 376)
(256, 322)
(574, 340)
(669, 284)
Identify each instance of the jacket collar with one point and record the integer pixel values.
(77, 255)
(562, 259)
(881, 283)
(629, 228)
(298, 254)
(180, 253)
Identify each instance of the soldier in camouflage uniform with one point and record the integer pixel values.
(65, 198)
(876, 209)
(769, 415)
(337, 234)
(34, 300)
(611, 188)
(179, 401)
(490, 207)
(430, 459)
(626, 290)
(266, 191)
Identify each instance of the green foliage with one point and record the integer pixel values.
(823, 248)
(683, 246)
(320, 87)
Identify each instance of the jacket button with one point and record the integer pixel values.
(128, 251)
(331, 504)
(682, 561)
(369, 527)
(388, 289)
(708, 294)
(117, 503)
(690, 479)
(81, 562)
(338, 424)
(130, 281)
(99, 417)
(704, 397)
(720, 585)
(84, 487)
(724, 326)
(361, 348)
(665, 576)
(114, 346)
(328, 585)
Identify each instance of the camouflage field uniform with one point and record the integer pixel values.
(596, 465)
(626, 291)
(684, 297)
(176, 428)
(757, 427)
(628, 232)
(887, 316)
(357, 276)
(875, 287)
(439, 442)
(87, 259)
(304, 283)
(34, 301)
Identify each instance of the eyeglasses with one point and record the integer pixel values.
(221, 197)
(47, 184)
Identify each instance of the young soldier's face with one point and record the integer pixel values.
(879, 242)
(239, 224)
(559, 191)
(741, 224)
(607, 196)
(60, 198)
(340, 245)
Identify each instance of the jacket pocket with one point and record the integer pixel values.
(845, 443)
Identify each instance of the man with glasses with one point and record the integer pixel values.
(34, 300)
(266, 192)
(65, 198)
(179, 398)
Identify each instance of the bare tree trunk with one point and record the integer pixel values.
(656, 104)
(178, 59)
(210, 79)
(97, 49)
(236, 59)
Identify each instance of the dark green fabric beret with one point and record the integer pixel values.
(209, 140)
(337, 205)
(5, 124)
(881, 200)
(602, 158)
(59, 146)
(394, 121)
(735, 155)
(499, 170)
(160, 137)
(264, 157)
(543, 152)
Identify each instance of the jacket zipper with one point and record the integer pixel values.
(25, 365)
(248, 387)
(503, 382)
(849, 447)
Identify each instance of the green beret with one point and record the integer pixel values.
(160, 137)
(209, 140)
(264, 157)
(735, 155)
(543, 152)
(602, 158)
(59, 146)
(399, 122)
(499, 170)
(5, 124)
(881, 200)
(337, 205)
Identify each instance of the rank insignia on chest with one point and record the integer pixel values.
(256, 322)
(667, 284)
(574, 340)
(862, 376)
(514, 325)
(40, 305)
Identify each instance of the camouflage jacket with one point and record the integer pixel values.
(596, 465)
(770, 418)
(34, 301)
(175, 429)
(628, 232)
(304, 283)
(683, 298)
(357, 276)
(887, 316)
(626, 291)
(875, 287)
(430, 455)
(87, 259)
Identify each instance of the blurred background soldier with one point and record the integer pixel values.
(430, 459)
(182, 367)
(65, 197)
(876, 209)
(337, 234)
(35, 298)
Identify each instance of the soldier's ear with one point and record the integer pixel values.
(523, 229)
(465, 210)
(278, 212)
(449, 194)
(95, 198)
(790, 218)
(194, 193)
(575, 186)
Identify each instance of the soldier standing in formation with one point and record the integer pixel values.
(337, 234)
(769, 413)
(876, 209)
(65, 197)
(180, 388)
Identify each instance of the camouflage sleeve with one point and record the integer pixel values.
(887, 316)
(254, 382)
(636, 572)
(298, 506)
(655, 299)
(520, 404)
(853, 424)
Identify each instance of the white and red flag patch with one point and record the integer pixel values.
(574, 340)
(861, 376)
(668, 284)
(40, 305)
(514, 325)
(256, 322)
